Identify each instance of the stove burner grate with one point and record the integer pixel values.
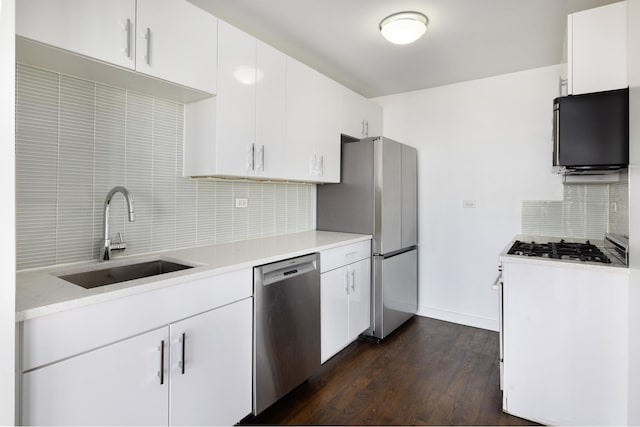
(586, 252)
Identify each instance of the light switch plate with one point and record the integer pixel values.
(467, 204)
(241, 203)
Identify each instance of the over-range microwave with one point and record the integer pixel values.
(591, 132)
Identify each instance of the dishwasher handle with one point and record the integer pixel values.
(287, 269)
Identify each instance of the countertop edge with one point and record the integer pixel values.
(153, 283)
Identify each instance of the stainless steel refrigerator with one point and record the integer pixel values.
(378, 195)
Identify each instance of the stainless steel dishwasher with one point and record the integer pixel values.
(286, 337)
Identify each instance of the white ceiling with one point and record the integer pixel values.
(465, 39)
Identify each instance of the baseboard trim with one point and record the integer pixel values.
(459, 318)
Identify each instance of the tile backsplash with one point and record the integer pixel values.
(586, 211)
(76, 139)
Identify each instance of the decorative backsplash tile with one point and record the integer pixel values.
(586, 211)
(76, 139)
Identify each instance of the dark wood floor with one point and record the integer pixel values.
(428, 372)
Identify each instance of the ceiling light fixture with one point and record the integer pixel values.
(404, 27)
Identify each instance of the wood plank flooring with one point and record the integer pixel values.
(428, 372)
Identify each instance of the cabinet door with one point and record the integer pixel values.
(211, 380)
(236, 103)
(352, 116)
(334, 312)
(271, 108)
(359, 298)
(176, 41)
(373, 126)
(313, 130)
(598, 49)
(104, 30)
(114, 385)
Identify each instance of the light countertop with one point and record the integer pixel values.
(615, 266)
(40, 292)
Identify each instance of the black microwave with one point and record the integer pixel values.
(591, 131)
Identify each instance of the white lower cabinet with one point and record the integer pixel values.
(181, 355)
(210, 366)
(345, 299)
(114, 385)
(565, 343)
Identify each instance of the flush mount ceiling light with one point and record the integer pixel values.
(404, 27)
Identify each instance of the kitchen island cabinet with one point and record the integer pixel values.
(565, 342)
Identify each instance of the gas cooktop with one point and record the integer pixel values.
(586, 252)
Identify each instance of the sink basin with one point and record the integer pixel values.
(111, 275)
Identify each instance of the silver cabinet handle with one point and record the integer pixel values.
(127, 47)
(353, 280)
(161, 373)
(362, 131)
(366, 133)
(147, 37)
(321, 165)
(251, 157)
(182, 359)
(262, 158)
(346, 281)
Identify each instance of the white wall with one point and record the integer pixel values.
(7, 212)
(634, 207)
(488, 141)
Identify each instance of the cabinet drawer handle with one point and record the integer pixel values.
(127, 29)
(366, 132)
(182, 360)
(147, 37)
(161, 373)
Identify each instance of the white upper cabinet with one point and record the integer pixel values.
(176, 41)
(241, 132)
(597, 49)
(104, 30)
(271, 159)
(171, 40)
(313, 128)
(360, 118)
(236, 102)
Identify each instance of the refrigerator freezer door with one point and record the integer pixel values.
(388, 196)
(409, 159)
(395, 293)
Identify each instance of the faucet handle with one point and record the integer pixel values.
(120, 237)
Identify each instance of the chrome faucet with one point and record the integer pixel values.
(107, 246)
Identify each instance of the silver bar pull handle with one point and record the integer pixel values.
(147, 37)
(353, 280)
(366, 133)
(362, 130)
(127, 47)
(262, 158)
(182, 358)
(161, 373)
(346, 282)
(322, 165)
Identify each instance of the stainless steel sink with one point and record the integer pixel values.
(123, 273)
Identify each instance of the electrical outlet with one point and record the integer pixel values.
(242, 203)
(467, 204)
